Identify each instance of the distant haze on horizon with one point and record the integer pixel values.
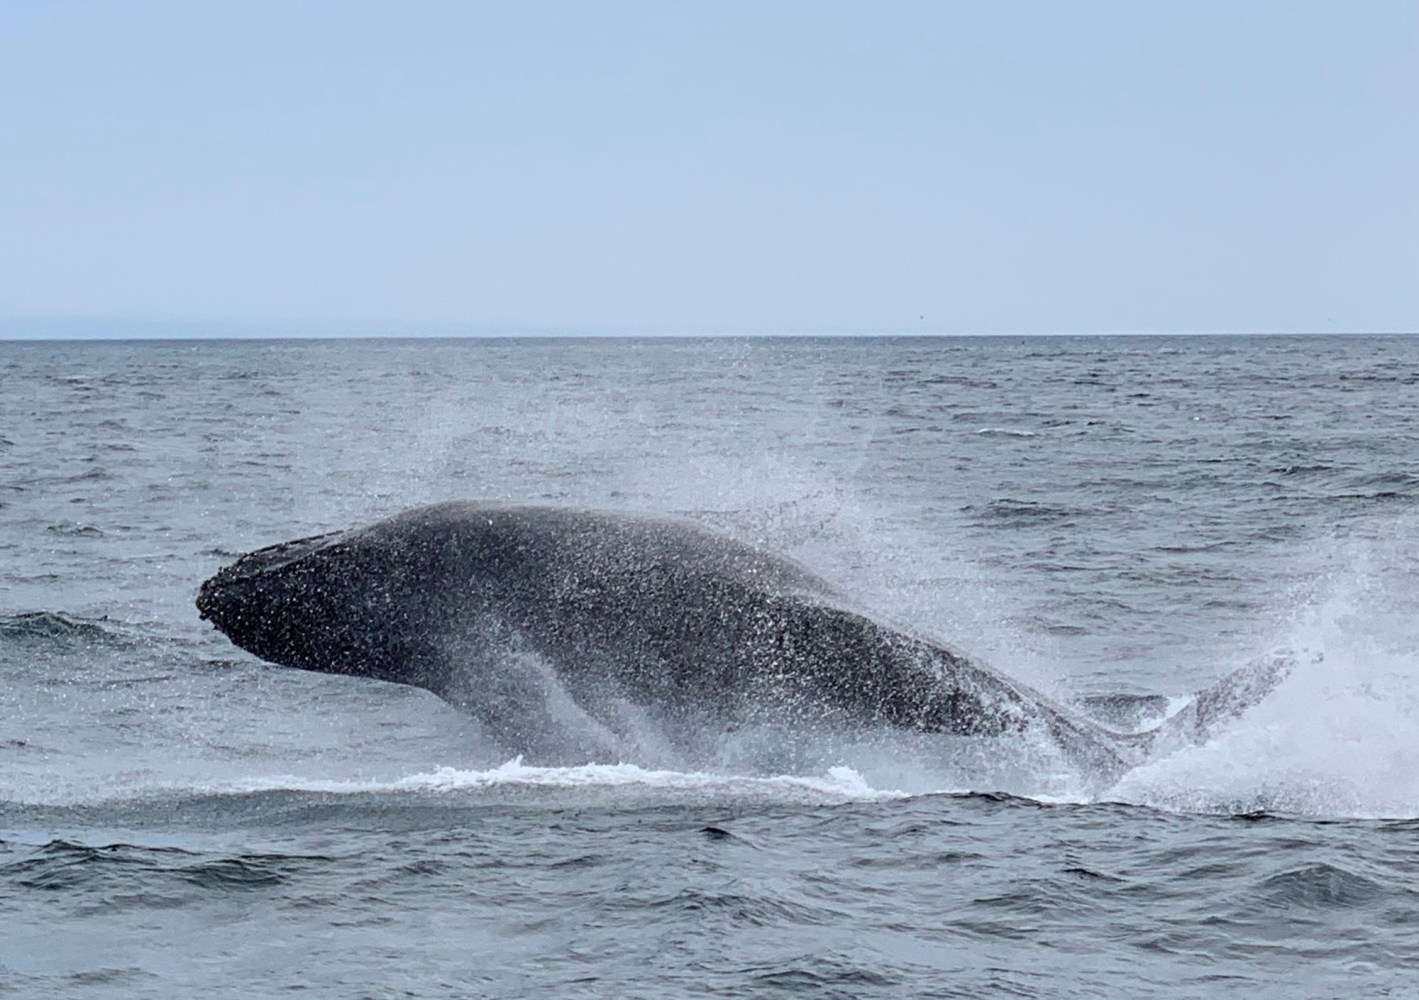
(666, 168)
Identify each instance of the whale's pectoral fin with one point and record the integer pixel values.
(522, 702)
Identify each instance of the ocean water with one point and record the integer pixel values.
(1116, 521)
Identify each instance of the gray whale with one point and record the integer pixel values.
(493, 606)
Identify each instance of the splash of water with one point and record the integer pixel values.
(1340, 737)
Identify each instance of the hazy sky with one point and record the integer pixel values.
(713, 166)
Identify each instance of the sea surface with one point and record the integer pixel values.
(1115, 521)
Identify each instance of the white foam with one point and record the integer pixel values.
(1006, 432)
(838, 784)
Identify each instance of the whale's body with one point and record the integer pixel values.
(495, 607)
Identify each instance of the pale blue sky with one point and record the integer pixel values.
(673, 167)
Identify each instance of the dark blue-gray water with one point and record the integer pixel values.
(1118, 521)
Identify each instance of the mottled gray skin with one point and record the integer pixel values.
(457, 598)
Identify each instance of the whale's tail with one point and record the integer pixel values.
(1220, 703)
(1107, 754)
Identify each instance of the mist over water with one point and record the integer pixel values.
(1117, 522)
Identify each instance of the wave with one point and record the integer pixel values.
(74, 529)
(61, 628)
(138, 876)
(1318, 886)
(1012, 511)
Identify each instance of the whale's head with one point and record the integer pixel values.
(383, 601)
(342, 603)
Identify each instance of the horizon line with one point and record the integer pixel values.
(15, 329)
